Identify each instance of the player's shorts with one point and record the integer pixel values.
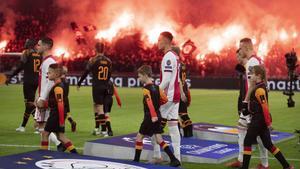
(99, 94)
(149, 128)
(52, 124)
(108, 102)
(182, 107)
(41, 116)
(169, 111)
(29, 91)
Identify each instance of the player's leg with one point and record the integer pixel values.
(263, 153)
(138, 147)
(267, 142)
(67, 142)
(250, 138)
(242, 130)
(44, 140)
(96, 131)
(108, 102)
(174, 161)
(29, 94)
(156, 159)
(50, 124)
(69, 117)
(101, 116)
(98, 97)
(108, 124)
(186, 124)
(172, 117)
(241, 137)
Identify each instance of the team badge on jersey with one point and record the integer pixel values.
(168, 62)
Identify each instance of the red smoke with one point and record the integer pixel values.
(213, 25)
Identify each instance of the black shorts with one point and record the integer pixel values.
(52, 124)
(148, 128)
(108, 102)
(29, 91)
(99, 94)
(182, 107)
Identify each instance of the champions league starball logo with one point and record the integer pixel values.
(82, 164)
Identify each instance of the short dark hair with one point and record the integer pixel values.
(167, 35)
(246, 40)
(57, 68)
(99, 47)
(145, 70)
(48, 41)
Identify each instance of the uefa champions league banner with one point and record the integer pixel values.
(194, 82)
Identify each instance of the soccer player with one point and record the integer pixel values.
(30, 63)
(247, 50)
(244, 119)
(186, 122)
(56, 121)
(108, 102)
(101, 67)
(171, 86)
(152, 100)
(44, 47)
(67, 104)
(261, 119)
(185, 99)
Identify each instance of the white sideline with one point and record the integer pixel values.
(30, 146)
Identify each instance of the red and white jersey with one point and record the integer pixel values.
(169, 81)
(253, 61)
(45, 84)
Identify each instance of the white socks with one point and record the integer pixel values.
(53, 138)
(175, 137)
(156, 148)
(241, 138)
(263, 153)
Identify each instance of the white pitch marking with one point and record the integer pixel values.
(30, 146)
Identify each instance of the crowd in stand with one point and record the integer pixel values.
(36, 23)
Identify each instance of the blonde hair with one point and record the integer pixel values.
(145, 70)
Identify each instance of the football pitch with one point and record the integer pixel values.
(211, 106)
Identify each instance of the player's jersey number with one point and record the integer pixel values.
(36, 65)
(102, 72)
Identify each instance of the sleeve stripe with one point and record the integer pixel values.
(168, 71)
(168, 67)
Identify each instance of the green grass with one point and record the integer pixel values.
(214, 106)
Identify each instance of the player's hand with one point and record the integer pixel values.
(154, 119)
(40, 104)
(183, 98)
(61, 129)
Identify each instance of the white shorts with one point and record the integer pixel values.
(41, 116)
(169, 110)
